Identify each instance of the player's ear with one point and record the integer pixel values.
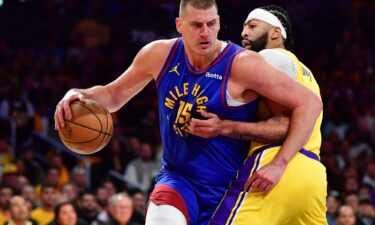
(276, 33)
(179, 25)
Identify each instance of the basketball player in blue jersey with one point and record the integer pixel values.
(197, 73)
(272, 187)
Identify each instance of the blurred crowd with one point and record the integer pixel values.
(85, 43)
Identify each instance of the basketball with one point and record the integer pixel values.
(89, 130)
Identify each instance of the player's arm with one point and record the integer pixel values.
(273, 118)
(271, 130)
(145, 67)
(275, 85)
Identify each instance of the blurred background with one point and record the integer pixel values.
(50, 46)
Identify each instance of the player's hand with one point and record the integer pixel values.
(63, 110)
(206, 128)
(265, 178)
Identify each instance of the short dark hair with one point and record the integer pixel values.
(284, 18)
(198, 4)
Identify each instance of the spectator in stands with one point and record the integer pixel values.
(346, 216)
(88, 209)
(22, 181)
(109, 186)
(141, 171)
(19, 213)
(70, 191)
(66, 214)
(33, 170)
(80, 178)
(139, 205)
(102, 196)
(44, 214)
(51, 179)
(366, 212)
(353, 201)
(119, 211)
(18, 107)
(57, 161)
(28, 193)
(6, 193)
(333, 205)
(10, 175)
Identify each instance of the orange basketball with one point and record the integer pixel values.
(90, 128)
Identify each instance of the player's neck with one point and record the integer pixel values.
(275, 44)
(202, 61)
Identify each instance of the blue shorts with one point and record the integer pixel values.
(195, 200)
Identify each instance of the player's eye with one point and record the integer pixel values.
(197, 25)
(210, 24)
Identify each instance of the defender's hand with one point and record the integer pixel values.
(208, 128)
(63, 109)
(265, 178)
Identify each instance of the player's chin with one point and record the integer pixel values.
(204, 51)
(247, 46)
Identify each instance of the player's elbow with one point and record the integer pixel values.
(316, 104)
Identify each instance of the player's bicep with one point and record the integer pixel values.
(134, 79)
(270, 82)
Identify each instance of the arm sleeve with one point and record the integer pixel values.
(280, 60)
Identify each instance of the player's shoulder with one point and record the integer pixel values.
(275, 53)
(280, 59)
(246, 58)
(156, 52)
(247, 54)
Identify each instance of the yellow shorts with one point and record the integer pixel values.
(299, 198)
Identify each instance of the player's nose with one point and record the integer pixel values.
(204, 31)
(244, 33)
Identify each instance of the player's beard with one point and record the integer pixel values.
(260, 43)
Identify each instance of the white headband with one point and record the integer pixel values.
(265, 16)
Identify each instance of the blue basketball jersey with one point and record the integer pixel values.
(183, 93)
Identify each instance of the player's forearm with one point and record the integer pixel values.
(99, 94)
(270, 131)
(302, 123)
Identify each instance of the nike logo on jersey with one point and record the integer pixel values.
(175, 69)
(214, 76)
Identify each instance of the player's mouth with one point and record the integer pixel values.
(204, 44)
(246, 44)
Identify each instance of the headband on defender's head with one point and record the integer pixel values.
(265, 16)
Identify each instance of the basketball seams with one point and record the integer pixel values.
(90, 128)
(106, 116)
(92, 112)
(83, 142)
(98, 134)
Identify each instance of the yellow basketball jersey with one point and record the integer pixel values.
(306, 78)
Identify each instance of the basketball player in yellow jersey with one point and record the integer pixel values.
(272, 187)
